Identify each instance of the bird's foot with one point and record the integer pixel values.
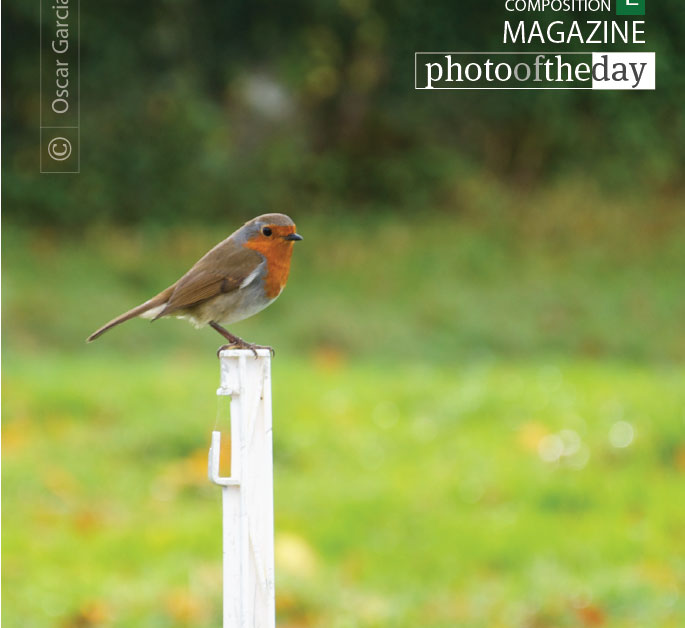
(237, 343)
(242, 344)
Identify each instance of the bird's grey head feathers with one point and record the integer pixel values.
(254, 227)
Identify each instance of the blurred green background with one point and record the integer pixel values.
(479, 392)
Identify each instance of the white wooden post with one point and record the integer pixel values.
(248, 514)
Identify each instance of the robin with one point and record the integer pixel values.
(236, 279)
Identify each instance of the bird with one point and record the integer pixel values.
(236, 279)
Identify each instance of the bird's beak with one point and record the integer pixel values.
(293, 236)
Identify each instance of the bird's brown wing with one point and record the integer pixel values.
(222, 270)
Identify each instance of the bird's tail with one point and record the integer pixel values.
(154, 303)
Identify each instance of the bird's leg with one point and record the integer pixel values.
(237, 343)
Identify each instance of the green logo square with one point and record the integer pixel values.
(630, 7)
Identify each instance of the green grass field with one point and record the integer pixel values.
(478, 422)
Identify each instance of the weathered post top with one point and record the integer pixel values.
(235, 362)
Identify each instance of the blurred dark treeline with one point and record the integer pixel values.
(192, 111)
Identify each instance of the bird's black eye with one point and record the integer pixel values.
(266, 231)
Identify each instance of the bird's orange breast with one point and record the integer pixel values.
(277, 253)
